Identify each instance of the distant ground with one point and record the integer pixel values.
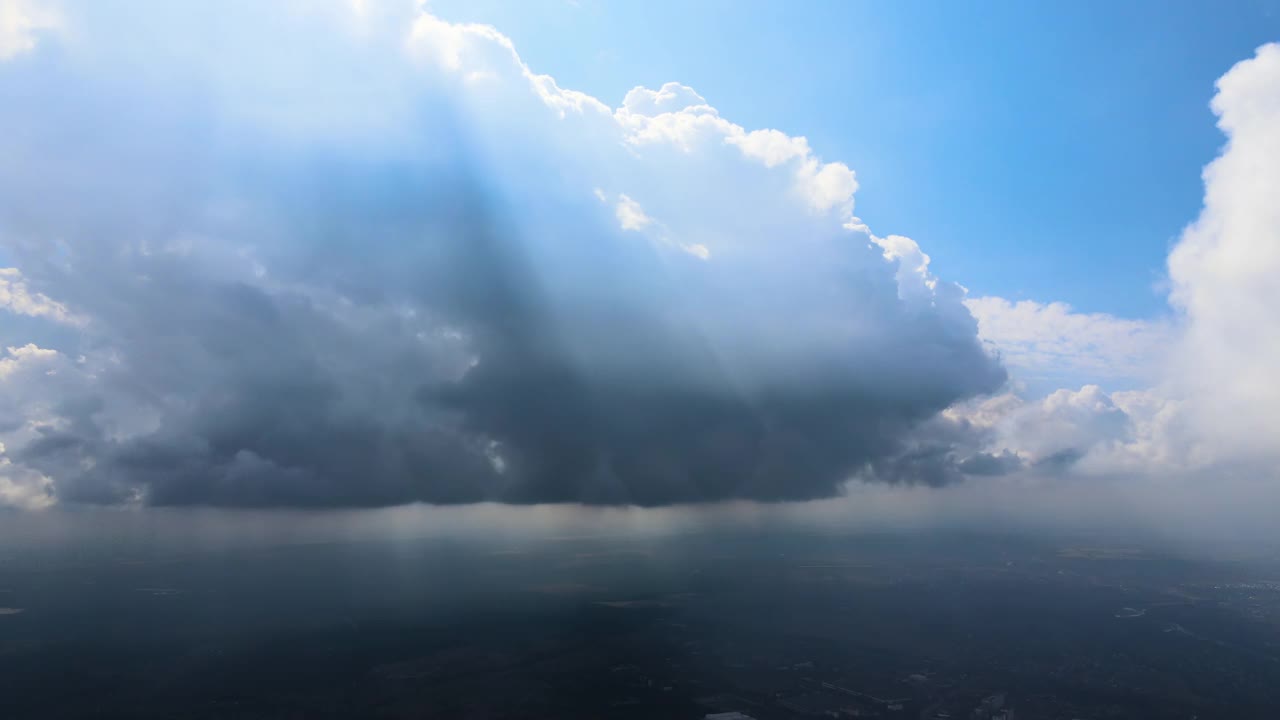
(767, 625)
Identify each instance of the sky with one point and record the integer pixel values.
(1024, 141)
(845, 260)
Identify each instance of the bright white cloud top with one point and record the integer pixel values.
(372, 258)
(1224, 270)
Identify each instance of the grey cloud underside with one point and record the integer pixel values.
(328, 326)
(943, 450)
(985, 463)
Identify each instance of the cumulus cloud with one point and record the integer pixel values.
(23, 488)
(15, 298)
(1209, 411)
(1201, 397)
(1050, 344)
(26, 373)
(1225, 266)
(393, 265)
(22, 357)
(374, 258)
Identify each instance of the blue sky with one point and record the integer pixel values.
(1036, 150)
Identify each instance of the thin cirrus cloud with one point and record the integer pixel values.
(366, 263)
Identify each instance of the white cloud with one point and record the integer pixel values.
(32, 381)
(1052, 344)
(1070, 421)
(1225, 269)
(21, 24)
(16, 298)
(679, 116)
(829, 186)
(1088, 431)
(702, 252)
(670, 98)
(914, 279)
(1204, 405)
(630, 215)
(23, 488)
(23, 371)
(20, 358)
(772, 147)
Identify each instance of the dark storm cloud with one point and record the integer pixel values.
(280, 315)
